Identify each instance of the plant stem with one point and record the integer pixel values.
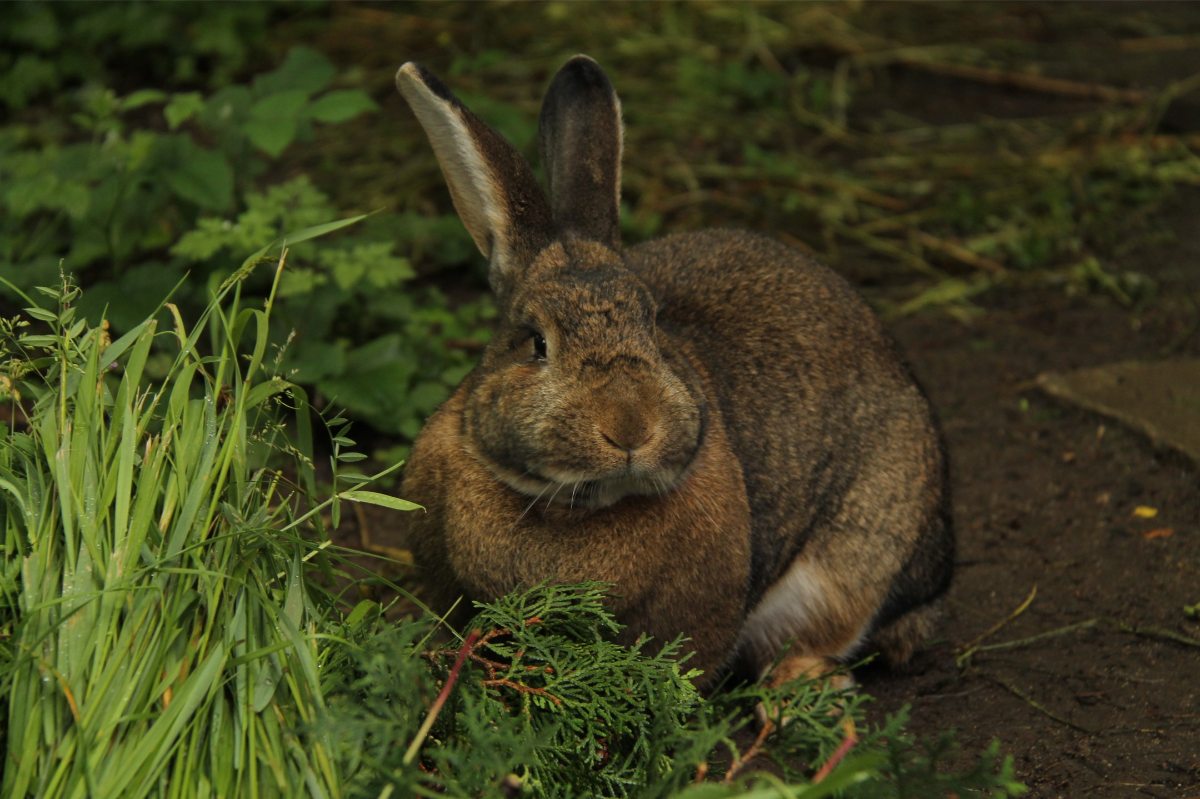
(415, 746)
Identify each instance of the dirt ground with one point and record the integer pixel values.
(1045, 497)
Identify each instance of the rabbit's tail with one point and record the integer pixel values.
(898, 641)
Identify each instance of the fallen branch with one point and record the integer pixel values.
(877, 53)
(1070, 628)
(1150, 631)
(1035, 83)
(1159, 44)
(1145, 631)
(914, 262)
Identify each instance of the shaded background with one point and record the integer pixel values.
(1011, 185)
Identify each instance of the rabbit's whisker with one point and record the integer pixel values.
(531, 504)
(555, 494)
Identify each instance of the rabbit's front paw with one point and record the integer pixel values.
(801, 667)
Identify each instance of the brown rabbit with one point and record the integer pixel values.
(713, 422)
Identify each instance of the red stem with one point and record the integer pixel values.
(436, 708)
(836, 757)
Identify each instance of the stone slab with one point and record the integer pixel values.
(1161, 400)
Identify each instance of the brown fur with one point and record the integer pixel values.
(712, 421)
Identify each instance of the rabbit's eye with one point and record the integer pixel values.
(539, 347)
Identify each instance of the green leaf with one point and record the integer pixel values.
(304, 235)
(182, 107)
(197, 175)
(42, 314)
(303, 70)
(142, 97)
(351, 457)
(426, 397)
(317, 360)
(360, 612)
(264, 390)
(342, 105)
(382, 500)
(272, 125)
(275, 107)
(299, 281)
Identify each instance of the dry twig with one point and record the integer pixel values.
(1033, 703)
(739, 762)
(958, 253)
(970, 648)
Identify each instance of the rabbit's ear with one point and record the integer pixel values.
(580, 138)
(492, 186)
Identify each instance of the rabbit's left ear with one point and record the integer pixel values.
(580, 138)
(491, 184)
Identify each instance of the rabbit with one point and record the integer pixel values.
(713, 422)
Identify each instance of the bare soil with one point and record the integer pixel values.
(1046, 496)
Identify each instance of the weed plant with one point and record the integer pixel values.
(161, 633)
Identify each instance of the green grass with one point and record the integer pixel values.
(161, 626)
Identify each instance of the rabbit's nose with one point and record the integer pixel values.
(628, 430)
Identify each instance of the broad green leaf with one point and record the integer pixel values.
(299, 280)
(277, 107)
(360, 612)
(304, 70)
(142, 97)
(38, 341)
(201, 176)
(42, 314)
(264, 390)
(271, 136)
(340, 106)
(182, 107)
(426, 397)
(303, 235)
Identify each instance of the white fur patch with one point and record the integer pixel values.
(787, 611)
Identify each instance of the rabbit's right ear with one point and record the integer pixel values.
(492, 186)
(580, 138)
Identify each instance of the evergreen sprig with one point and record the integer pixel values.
(548, 705)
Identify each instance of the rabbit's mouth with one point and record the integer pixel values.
(595, 493)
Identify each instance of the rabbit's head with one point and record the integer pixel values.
(575, 399)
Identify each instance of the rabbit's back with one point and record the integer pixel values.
(839, 450)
